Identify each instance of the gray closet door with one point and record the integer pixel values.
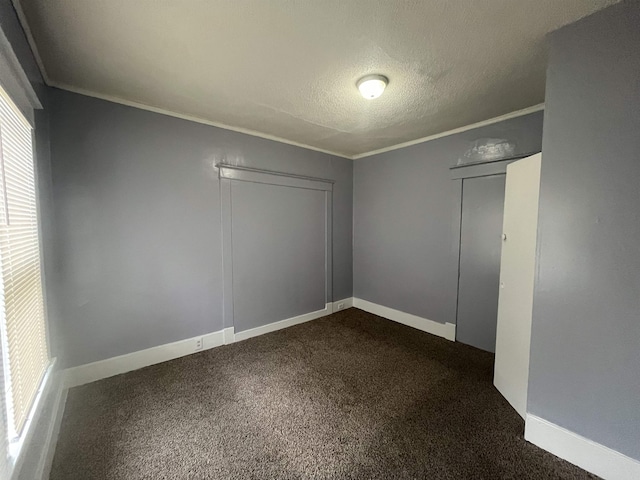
(279, 249)
(480, 245)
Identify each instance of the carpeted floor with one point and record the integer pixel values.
(349, 396)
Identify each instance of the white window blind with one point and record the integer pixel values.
(26, 355)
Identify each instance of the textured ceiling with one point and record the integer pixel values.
(288, 68)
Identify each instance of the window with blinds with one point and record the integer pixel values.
(24, 341)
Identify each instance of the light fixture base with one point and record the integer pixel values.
(372, 86)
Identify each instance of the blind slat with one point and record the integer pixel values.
(24, 328)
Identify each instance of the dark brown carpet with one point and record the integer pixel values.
(349, 396)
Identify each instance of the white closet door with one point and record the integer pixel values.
(517, 272)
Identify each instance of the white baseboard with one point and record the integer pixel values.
(46, 460)
(92, 372)
(289, 322)
(580, 451)
(228, 336)
(143, 358)
(444, 330)
(342, 304)
(110, 367)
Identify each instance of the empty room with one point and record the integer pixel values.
(337, 239)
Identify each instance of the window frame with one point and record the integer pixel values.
(19, 90)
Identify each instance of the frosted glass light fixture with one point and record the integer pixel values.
(372, 86)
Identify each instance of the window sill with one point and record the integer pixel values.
(19, 446)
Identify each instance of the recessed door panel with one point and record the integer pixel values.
(482, 209)
(279, 252)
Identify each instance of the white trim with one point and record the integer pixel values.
(444, 330)
(228, 336)
(18, 448)
(484, 123)
(91, 372)
(191, 118)
(270, 177)
(22, 18)
(346, 303)
(81, 91)
(254, 133)
(289, 322)
(110, 98)
(580, 451)
(46, 459)
(15, 83)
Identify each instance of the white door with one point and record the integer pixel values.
(517, 272)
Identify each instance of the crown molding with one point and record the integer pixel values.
(191, 118)
(22, 18)
(246, 131)
(129, 103)
(484, 123)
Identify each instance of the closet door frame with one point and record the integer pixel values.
(458, 174)
(230, 173)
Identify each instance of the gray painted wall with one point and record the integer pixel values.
(138, 214)
(404, 203)
(585, 355)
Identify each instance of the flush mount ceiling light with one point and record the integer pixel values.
(372, 86)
